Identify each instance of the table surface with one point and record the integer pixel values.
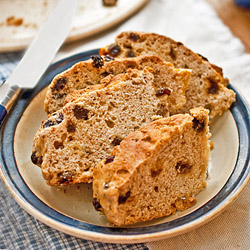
(207, 36)
(236, 18)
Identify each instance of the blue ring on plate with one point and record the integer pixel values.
(239, 110)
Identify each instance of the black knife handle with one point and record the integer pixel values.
(9, 99)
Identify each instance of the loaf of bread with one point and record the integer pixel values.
(207, 87)
(75, 138)
(91, 72)
(155, 170)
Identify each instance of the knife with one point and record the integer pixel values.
(38, 56)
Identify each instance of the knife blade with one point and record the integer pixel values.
(38, 56)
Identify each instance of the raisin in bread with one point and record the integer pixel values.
(90, 72)
(155, 170)
(74, 139)
(207, 87)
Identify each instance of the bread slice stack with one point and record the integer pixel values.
(155, 171)
(108, 123)
(74, 139)
(207, 86)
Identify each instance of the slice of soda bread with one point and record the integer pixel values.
(155, 170)
(207, 87)
(91, 72)
(74, 139)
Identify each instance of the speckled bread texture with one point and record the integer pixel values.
(155, 170)
(207, 87)
(90, 72)
(75, 138)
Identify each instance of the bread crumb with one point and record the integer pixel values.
(45, 3)
(109, 2)
(211, 145)
(14, 21)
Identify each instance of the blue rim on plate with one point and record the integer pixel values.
(28, 200)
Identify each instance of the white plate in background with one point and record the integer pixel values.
(91, 17)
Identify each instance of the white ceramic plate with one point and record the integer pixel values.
(69, 209)
(91, 17)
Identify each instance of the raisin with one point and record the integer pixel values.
(110, 123)
(183, 168)
(114, 50)
(122, 199)
(172, 54)
(80, 112)
(65, 177)
(131, 65)
(59, 95)
(198, 125)
(122, 171)
(48, 123)
(147, 138)
(104, 74)
(179, 43)
(128, 46)
(156, 189)
(109, 159)
(208, 106)
(108, 58)
(106, 186)
(71, 127)
(130, 53)
(96, 204)
(58, 144)
(60, 83)
(35, 159)
(155, 172)
(203, 57)
(116, 141)
(214, 87)
(97, 61)
(134, 37)
(59, 117)
(162, 91)
(162, 110)
(173, 205)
